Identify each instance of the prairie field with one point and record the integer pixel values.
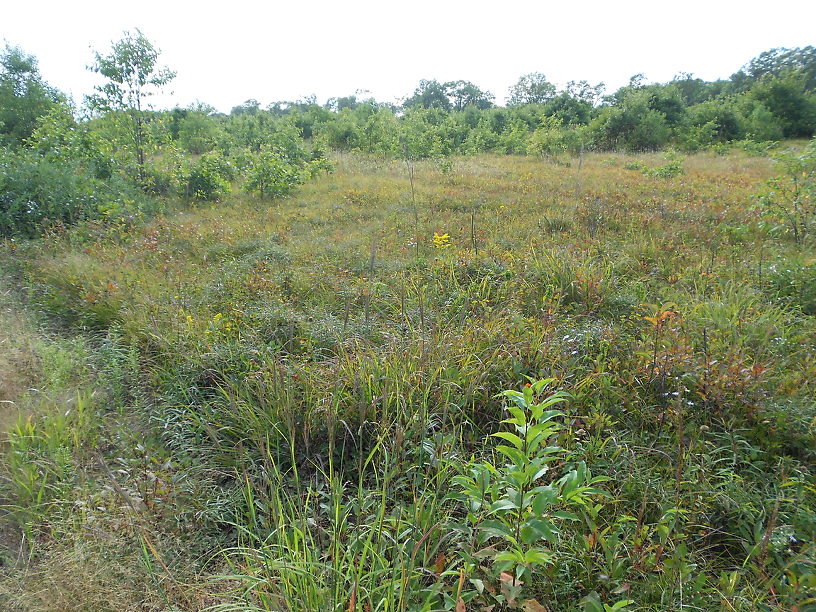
(486, 383)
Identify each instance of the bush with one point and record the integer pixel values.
(692, 138)
(35, 193)
(271, 175)
(209, 178)
(198, 133)
(791, 198)
(632, 126)
(670, 170)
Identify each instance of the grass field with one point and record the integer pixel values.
(292, 405)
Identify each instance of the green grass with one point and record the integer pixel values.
(313, 377)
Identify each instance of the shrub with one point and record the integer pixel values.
(36, 193)
(271, 175)
(524, 513)
(672, 169)
(791, 197)
(209, 178)
(795, 284)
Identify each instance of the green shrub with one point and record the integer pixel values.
(208, 179)
(790, 200)
(271, 175)
(672, 169)
(36, 193)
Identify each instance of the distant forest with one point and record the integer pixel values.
(63, 163)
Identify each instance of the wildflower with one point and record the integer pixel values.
(441, 241)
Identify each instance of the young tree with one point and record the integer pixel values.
(132, 77)
(272, 175)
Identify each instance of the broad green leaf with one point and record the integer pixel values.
(504, 504)
(541, 471)
(519, 415)
(495, 529)
(544, 500)
(511, 555)
(620, 605)
(538, 385)
(517, 398)
(518, 458)
(537, 556)
(567, 516)
(537, 529)
(510, 437)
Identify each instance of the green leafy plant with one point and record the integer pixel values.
(209, 178)
(791, 197)
(519, 505)
(272, 175)
(132, 77)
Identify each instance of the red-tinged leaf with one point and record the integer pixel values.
(439, 565)
(510, 587)
(460, 605)
(353, 600)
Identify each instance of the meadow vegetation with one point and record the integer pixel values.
(286, 375)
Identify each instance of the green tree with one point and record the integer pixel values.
(533, 88)
(782, 62)
(791, 197)
(24, 96)
(631, 125)
(132, 77)
(272, 175)
(198, 131)
(429, 94)
(59, 138)
(787, 99)
(585, 92)
(722, 116)
(569, 110)
(465, 93)
(250, 107)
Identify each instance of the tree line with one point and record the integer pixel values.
(116, 154)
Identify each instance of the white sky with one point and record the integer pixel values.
(227, 52)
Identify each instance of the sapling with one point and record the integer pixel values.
(518, 504)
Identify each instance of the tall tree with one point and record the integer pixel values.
(533, 88)
(429, 94)
(24, 96)
(465, 93)
(132, 77)
(782, 62)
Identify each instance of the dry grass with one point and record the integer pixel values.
(19, 364)
(98, 575)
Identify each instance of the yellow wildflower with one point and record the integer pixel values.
(441, 241)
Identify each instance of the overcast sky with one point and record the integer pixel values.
(227, 52)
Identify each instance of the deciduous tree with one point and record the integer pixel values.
(24, 96)
(132, 76)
